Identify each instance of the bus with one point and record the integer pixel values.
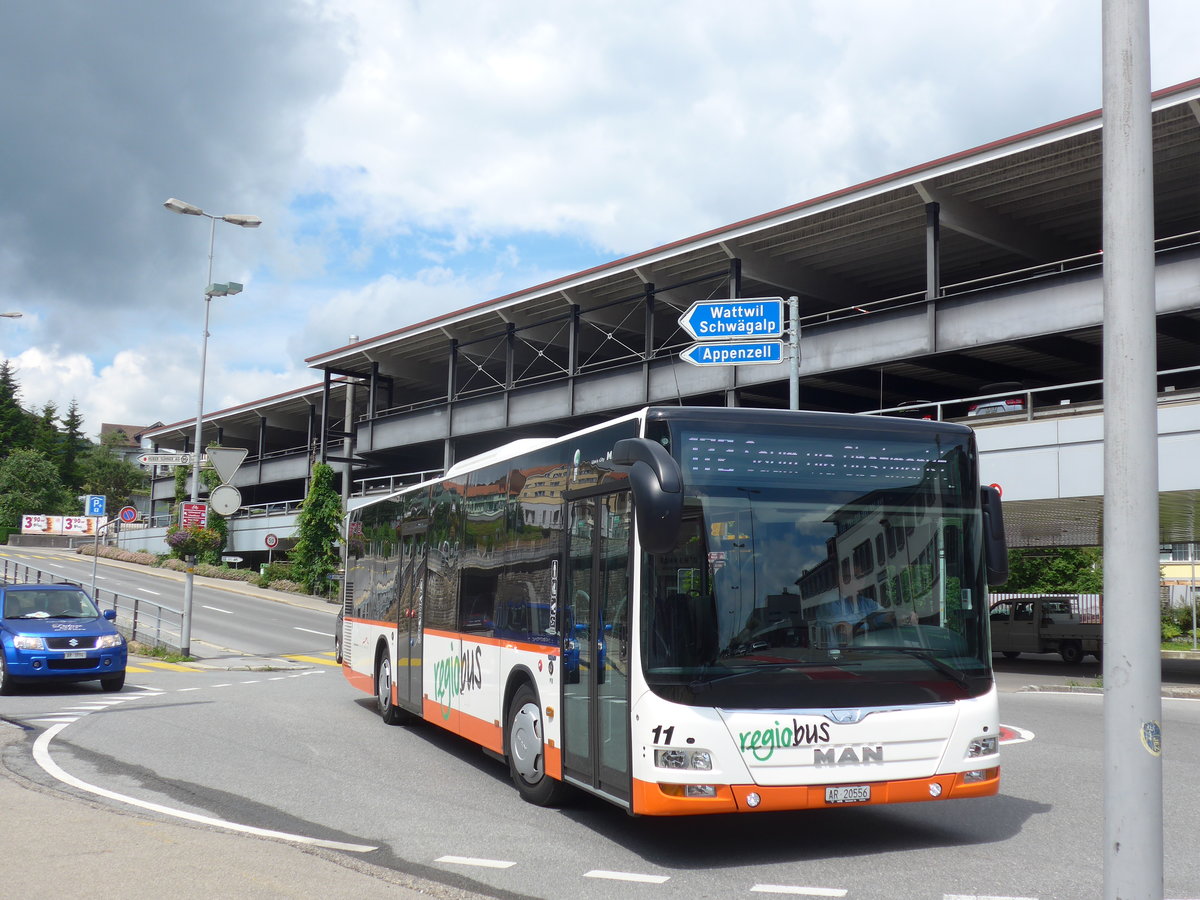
(692, 610)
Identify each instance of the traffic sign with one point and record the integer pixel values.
(225, 499)
(193, 514)
(128, 514)
(271, 541)
(93, 505)
(226, 461)
(165, 459)
(712, 320)
(727, 353)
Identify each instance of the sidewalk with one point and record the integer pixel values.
(65, 843)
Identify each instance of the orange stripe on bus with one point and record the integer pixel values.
(545, 649)
(487, 734)
(652, 799)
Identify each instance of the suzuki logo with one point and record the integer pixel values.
(73, 642)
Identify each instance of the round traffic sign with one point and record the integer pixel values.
(128, 514)
(225, 499)
(271, 541)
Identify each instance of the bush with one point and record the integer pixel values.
(275, 571)
(292, 587)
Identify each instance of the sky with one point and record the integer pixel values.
(410, 158)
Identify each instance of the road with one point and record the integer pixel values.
(301, 752)
(296, 750)
(226, 620)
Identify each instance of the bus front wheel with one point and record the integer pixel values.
(527, 751)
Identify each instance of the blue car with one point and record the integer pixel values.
(54, 632)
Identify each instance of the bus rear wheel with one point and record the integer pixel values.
(527, 750)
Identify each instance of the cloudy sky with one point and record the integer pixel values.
(412, 157)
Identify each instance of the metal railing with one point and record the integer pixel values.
(138, 619)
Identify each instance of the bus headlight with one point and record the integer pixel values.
(677, 758)
(985, 745)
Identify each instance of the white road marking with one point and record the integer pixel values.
(982, 897)
(310, 631)
(41, 753)
(215, 609)
(474, 861)
(627, 876)
(797, 891)
(148, 591)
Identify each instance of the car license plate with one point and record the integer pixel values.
(75, 654)
(848, 793)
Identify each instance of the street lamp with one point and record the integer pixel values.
(213, 290)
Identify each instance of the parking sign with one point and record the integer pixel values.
(93, 505)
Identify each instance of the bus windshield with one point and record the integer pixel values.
(819, 570)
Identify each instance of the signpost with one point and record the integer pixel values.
(732, 353)
(128, 514)
(165, 459)
(723, 320)
(193, 514)
(93, 505)
(272, 542)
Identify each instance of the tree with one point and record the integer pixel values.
(15, 430)
(1056, 570)
(29, 483)
(103, 471)
(73, 445)
(319, 529)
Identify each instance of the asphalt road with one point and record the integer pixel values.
(227, 619)
(299, 751)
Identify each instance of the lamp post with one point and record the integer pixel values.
(212, 290)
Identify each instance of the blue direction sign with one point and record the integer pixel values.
(716, 320)
(93, 505)
(734, 353)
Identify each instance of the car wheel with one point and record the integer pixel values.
(1071, 652)
(114, 682)
(1011, 654)
(7, 686)
(388, 711)
(527, 752)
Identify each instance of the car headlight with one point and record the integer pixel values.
(107, 641)
(26, 642)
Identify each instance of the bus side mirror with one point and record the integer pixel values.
(995, 547)
(657, 487)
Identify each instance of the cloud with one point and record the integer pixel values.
(409, 159)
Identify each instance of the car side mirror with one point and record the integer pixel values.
(110, 614)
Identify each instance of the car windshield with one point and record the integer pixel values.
(849, 589)
(48, 604)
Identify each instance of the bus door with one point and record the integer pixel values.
(596, 648)
(409, 644)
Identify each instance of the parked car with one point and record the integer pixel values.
(992, 407)
(54, 632)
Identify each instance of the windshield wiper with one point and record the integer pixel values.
(926, 657)
(706, 677)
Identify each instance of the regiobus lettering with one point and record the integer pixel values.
(692, 610)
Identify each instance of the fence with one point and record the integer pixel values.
(141, 620)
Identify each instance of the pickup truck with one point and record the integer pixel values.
(1043, 625)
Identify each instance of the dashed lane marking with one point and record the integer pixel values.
(476, 861)
(627, 876)
(797, 891)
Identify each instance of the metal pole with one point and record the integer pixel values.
(1133, 807)
(794, 344)
(189, 577)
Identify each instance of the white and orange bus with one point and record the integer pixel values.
(696, 610)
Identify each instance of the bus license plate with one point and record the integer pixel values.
(848, 793)
(75, 654)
